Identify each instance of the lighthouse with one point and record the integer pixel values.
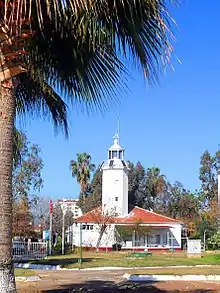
(115, 180)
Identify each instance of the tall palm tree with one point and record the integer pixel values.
(74, 47)
(82, 169)
(155, 185)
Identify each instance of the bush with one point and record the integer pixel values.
(213, 242)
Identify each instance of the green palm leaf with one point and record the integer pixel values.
(35, 97)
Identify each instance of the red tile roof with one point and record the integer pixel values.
(136, 215)
(145, 216)
(94, 216)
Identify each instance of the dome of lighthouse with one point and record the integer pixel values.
(115, 145)
(115, 156)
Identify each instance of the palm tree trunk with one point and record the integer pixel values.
(7, 113)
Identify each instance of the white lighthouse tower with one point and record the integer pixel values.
(115, 180)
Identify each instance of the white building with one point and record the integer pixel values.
(71, 205)
(115, 181)
(139, 229)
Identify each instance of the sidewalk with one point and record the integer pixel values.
(106, 281)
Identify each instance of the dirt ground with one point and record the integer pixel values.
(106, 281)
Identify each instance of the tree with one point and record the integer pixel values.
(96, 187)
(26, 176)
(214, 241)
(22, 219)
(182, 204)
(103, 217)
(138, 229)
(94, 194)
(82, 169)
(18, 147)
(155, 187)
(208, 177)
(26, 183)
(40, 212)
(136, 185)
(58, 220)
(207, 221)
(86, 68)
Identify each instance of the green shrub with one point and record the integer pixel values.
(213, 242)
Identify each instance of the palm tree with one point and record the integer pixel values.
(82, 169)
(74, 47)
(155, 185)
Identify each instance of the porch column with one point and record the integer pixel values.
(133, 239)
(146, 240)
(168, 238)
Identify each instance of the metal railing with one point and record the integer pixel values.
(29, 250)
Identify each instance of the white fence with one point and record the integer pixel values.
(29, 250)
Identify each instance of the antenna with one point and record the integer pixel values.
(117, 134)
(118, 129)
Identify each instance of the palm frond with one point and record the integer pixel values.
(81, 57)
(90, 77)
(18, 146)
(35, 96)
(15, 13)
(139, 28)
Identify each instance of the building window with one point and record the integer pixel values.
(116, 199)
(109, 155)
(114, 154)
(120, 155)
(164, 239)
(87, 227)
(157, 239)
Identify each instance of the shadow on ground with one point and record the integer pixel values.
(108, 286)
(57, 261)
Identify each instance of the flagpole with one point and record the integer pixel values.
(51, 221)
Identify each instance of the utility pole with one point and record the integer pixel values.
(63, 234)
(64, 209)
(204, 239)
(80, 243)
(50, 231)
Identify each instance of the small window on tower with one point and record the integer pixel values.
(114, 154)
(111, 163)
(109, 155)
(120, 154)
(116, 199)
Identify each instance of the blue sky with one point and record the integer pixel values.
(169, 125)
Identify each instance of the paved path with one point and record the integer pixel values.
(106, 281)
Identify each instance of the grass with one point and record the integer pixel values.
(122, 259)
(177, 271)
(24, 273)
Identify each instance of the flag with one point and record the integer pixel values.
(51, 206)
